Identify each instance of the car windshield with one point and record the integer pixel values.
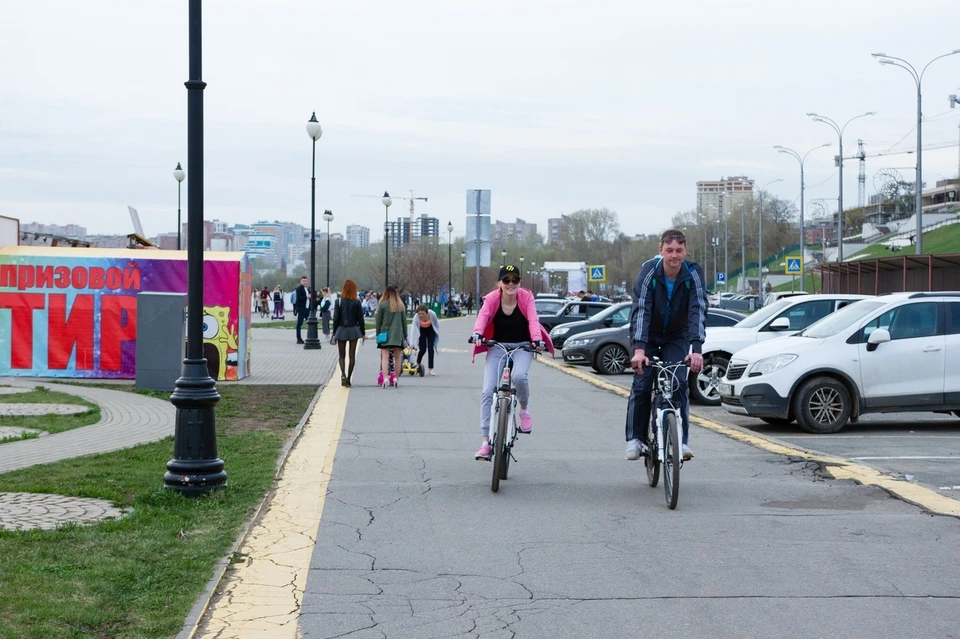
(763, 314)
(842, 319)
(607, 312)
(548, 307)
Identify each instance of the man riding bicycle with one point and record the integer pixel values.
(668, 318)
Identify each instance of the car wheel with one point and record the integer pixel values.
(612, 359)
(777, 421)
(822, 405)
(704, 385)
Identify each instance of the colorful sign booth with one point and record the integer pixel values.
(72, 312)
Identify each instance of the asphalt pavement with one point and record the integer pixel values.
(412, 543)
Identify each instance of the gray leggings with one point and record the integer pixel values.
(491, 379)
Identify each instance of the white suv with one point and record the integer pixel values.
(897, 352)
(783, 317)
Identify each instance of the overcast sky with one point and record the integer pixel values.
(553, 105)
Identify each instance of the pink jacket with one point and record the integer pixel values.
(491, 302)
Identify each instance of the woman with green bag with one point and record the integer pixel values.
(391, 328)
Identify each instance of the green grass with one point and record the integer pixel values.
(48, 423)
(944, 240)
(139, 576)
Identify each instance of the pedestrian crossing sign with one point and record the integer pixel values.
(597, 274)
(794, 265)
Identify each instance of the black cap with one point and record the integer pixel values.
(509, 269)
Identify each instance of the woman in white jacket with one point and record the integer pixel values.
(425, 335)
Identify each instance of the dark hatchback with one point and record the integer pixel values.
(573, 311)
(610, 317)
(608, 350)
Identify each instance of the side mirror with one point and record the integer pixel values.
(780, 324)
(608, 322)
(877, 337)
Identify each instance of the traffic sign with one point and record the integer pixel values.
(794, 265)
(597, 273)
(721, 278)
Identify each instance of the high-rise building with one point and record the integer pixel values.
(555, 229)
(503, 232)
(715, 198)
(358, 236)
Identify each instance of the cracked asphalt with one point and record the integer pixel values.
(412, 543)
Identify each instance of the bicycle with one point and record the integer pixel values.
(504, 413)
(663, 431)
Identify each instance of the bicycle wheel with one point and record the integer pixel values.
(499, 444)
(506, 449)
(671, 460)
(651, 461)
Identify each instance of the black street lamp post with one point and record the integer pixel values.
(463, 271)
(328, 217)
(195, 468)
(312, 343)
(386, 239)
(179, 174)
(449, 260)
(503, 257)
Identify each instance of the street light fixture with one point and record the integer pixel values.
(463, 271)
(918, 79)
(760, 291)
(449, 260)
(195, 468)
(839, 129)
(503, 257)
(801, 160)
(328, 217)
(179, 174)
(386, 238)
(312, 343)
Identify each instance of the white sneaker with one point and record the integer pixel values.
(686, 452)
(634, 449)
(431, 373)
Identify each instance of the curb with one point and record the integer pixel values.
(195, 616)
(839, 467)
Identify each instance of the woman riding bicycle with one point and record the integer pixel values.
(508, 316)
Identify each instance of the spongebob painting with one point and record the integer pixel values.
(219, 343)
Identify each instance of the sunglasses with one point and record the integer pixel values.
(511, 280)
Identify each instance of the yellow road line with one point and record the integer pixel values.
(838, 467)
(262, 595)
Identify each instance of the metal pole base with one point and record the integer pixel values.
(312, 343)
(195, 468)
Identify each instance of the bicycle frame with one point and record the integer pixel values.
(502, 440)
(664, 380)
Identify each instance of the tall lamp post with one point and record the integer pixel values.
(463, 271)
(312, 343)
(760, 291)
(179, 174)
(801, 160)
(503, 257)
(386, 238)
(328, 217)
(195, 468)
(839, 129)
(449, 260)
(918, 79)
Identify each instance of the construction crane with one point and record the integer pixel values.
(863, 155)
(411, 199)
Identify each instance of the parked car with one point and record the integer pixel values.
(612, 316)
(572, 311)
(548, 305)
(770, 298)
(783, 317)
(608, 350)
(897, 352)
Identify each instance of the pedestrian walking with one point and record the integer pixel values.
(425, 333)
(391, 329)
(300, 306)
(278, 303)
(348, 328)
(326, 305)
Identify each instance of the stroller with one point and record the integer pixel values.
(452, 309)
(409, 364)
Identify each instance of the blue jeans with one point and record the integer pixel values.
(638, 406)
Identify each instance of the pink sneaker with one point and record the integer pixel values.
(380, 379)
(484, 453)
(526, 422)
